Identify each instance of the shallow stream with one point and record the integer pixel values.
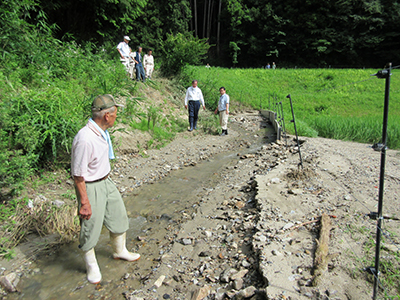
(153, 210)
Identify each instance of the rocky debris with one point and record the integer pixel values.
(159, 281)
(10, 282)
(252, 235)
(201, 293)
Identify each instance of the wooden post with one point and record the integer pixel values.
(321, 255)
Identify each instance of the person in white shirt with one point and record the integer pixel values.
(124, 51)
(192, 102)
(148, 63)
(223, 109)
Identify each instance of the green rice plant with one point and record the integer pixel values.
(336, 103)
(303, 129)
(360, 129)
(152, 115)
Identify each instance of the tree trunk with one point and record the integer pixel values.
(219, 26)
(210, 11)
(195, 18)
(191, 19)
(204, 19)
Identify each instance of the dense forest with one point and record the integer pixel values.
(242, 33)
(56, 55)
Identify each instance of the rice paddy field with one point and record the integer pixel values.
(346, 104)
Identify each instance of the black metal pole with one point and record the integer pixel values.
(382, 74)
(295, 129)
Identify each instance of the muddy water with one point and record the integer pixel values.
(154, 211)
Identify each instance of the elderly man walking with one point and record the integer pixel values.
(192, 100)
(99, 201)
(124, 51)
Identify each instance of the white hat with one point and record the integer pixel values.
(127, 38)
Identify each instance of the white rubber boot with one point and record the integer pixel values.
(92, 268)
(118, 243)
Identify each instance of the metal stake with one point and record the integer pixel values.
(295, 130)
(386, 73)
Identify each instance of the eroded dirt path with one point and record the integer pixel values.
(248, 228)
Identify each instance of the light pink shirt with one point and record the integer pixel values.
(89, 158)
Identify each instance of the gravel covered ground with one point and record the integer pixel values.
(253, 235)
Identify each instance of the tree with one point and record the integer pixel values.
(182, 49)
(95, 21)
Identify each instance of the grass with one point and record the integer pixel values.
(18, 219)
(342, 104)
(389, 267)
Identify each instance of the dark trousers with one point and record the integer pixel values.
(193, 107)
(140, 73)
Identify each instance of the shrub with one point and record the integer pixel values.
(180, 50)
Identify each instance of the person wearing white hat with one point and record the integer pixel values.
(99, 201)
(124, 51)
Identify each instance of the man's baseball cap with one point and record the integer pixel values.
(103, 102)
(127, 38)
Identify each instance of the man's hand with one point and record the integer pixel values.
(204, 107)
(186, 106)
(86, 211)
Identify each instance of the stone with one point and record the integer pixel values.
(246, 293)
(187, 241)
(245, 263)
(219, 296)
(229, 238)
(159, 281)
(205, 253)
(58, 203)
(239, 274)
(275, 180)
(347, 197)
(201, 293)
(238, 284)
(261, 238)
(295, 191)
(276, 252)
(10, 282)
(208, 233)
(287, 226)
(226, 274)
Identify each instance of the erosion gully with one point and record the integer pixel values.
(153, 210)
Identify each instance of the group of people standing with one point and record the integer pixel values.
(268, 66)
(133, 60)
(194, 99)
